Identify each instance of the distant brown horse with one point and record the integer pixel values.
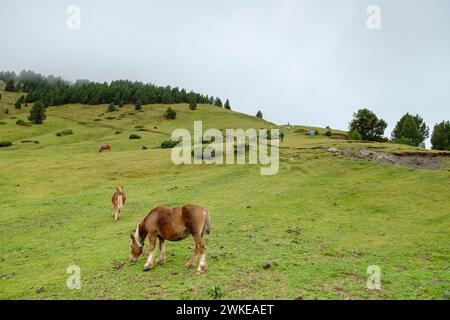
(104, 147)
(118, 200)
(172, 224)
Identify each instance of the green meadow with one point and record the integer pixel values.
(319, 223)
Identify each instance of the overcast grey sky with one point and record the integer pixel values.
(309, 62)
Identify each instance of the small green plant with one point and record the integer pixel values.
(134, 136)
(316, 132)
(97, 119)
(139, 126)
(2, 123)
(4, 144)
(328, 133)
(118, 132)
(216, 292)
(64, 133)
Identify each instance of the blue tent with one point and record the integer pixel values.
(312, 133)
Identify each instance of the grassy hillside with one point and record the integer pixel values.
(320, 222)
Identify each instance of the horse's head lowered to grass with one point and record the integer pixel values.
(136, 248)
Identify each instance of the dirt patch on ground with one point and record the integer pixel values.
(339, 136)
(417, 160)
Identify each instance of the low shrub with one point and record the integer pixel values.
(97, 119)
(139, 126)
(354, 135)
(64, 133)
(4, 144)
(167, 144)
(170, 114)
(134, 136)
(118, 132)
(2, 123)
(328, 133)
(30, 141)
(22, 123)
(111, 108)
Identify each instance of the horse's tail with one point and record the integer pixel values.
(207, 226)
(120, 201)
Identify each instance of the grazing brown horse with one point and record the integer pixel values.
(104, 147)
(118, 200)
(172, 224)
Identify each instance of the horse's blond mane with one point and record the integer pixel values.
(136, 232)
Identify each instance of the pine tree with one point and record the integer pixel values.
(138, 106)
(218, 103)
(37, 112)
(170, 114)
(193, 104)
(440, 139)
(166, 97)
(368, 125)
(227, 105)
(19, 102)
(10, 86)
(410, 130)
(211, 100)
(259, 115)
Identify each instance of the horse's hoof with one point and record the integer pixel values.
(146, 268)
(201, 270)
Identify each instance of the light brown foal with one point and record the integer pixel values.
(172, 224)
(118, 200)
